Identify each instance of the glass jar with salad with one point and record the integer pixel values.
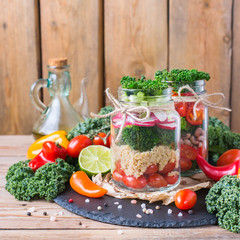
(194, 128)
(145, 149)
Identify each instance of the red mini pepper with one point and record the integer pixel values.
(216, 173)
(49, 153)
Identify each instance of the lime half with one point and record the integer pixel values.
(95, 159)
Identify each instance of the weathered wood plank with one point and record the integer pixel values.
(19, 64)
(136, 39)
(200, 37)
(73, 29)
(235, 103)
(210, 232)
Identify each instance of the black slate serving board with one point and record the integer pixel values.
(126, 215)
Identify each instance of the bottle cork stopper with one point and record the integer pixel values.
(57, 62)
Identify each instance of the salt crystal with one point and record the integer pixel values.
(157, 207)
(53, 219)
(169, 211)
(87, 200)
(180, 214)
(99, 208)
(120, 232)
(139, 216)
(116, 203)
(190, 211)
(32, 209)
(119, 206)
(61, 213)
(143, 205)
(150, 211)
(133, 201)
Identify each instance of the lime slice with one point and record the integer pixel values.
(95, 159)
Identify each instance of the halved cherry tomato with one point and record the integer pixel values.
(199, 113)
(168, 168)
(229, 157)
(185, 164)
(117, 176)
(171, 179)
(133, 182)
(76, 145)
(181, 108)
(98, 140)
(185, 199)
(119, 168)
(188, 152)
(151, 169)
(202, 151)
(156, 181)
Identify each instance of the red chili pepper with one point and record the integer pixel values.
(216, 173)
(49, 153)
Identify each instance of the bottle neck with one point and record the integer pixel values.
(59, 81)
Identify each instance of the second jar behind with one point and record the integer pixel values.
(146, 156)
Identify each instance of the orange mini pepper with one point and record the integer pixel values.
(57, 137)
(81, 183)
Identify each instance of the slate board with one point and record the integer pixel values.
(127, 215)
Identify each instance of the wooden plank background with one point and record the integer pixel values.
(106, 39)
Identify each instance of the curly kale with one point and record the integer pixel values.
(92, 126)
(145, 138)
(223, 199)
(147, 87)
(47, 182)
(220, 138)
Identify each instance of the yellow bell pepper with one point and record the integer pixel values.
(36, 147)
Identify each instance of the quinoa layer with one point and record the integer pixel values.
(135, 163)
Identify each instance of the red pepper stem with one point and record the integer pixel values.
(216, 173)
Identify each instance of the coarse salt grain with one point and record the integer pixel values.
(133, 201)
(180, 214)
(99, 208)
(150, 211)
(61, 213)
(147, 212)
(120, 232)
(190, 211)
(169, 211)
(84, 226)
(32, 209)
(139, 216)
(143, 205)
(119, 206)
(87, 200)
(53, 219)
(157, 207)
(116, 203)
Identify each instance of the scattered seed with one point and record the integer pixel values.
(180, 214)
(157, 207)
(45, 213)
(116, 203)
(87, 200)
(105, 204)
(190, 212)
(133, 201)
(24, 204)
(80, 223)
(143, 205)
(119, 206)
(53, 219)
(70, 200)
(139, 216)
(120, 232)
(169, 211)
(99, 208)
(29, 214)
(32, 209)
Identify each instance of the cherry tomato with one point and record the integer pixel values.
(76, 145)
(188, 152)
(133, 182)
(156, 181)
(229, 157)
(117, 176)
(185, 164)
(168, 168)
(181, 108)
(151, 169)
(185, 199)
(199, 113)
(171, 179)
(98, 141)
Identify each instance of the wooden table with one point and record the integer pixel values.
(14, 222)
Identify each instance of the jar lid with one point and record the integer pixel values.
(57, 62)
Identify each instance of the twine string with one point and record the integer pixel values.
(200, 99)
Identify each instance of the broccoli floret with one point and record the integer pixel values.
(92, 126)
(145, 138)
(47, 182)
(220, 138)
(223, 199)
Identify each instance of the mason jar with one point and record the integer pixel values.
(194, 131)
(145, 155)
